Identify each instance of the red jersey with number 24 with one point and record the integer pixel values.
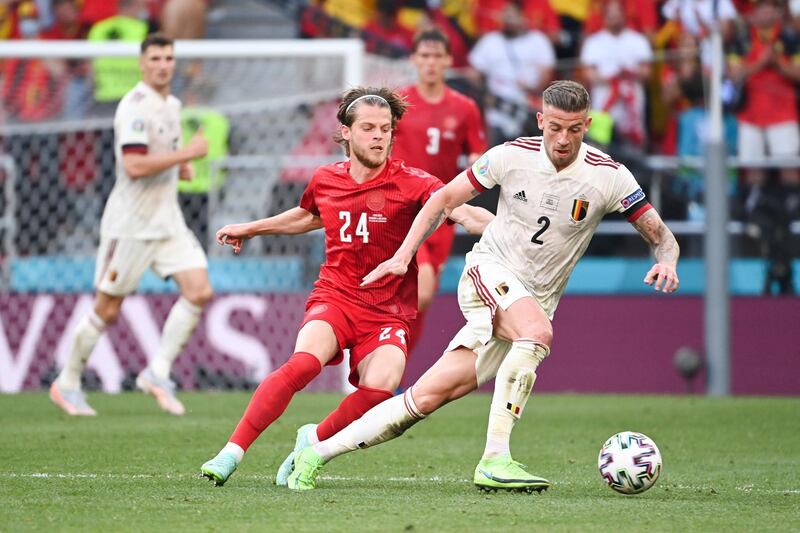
(364, 225)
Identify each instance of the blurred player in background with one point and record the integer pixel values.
(554, 192)
(142, 226)
(440, 126)
(366, 206)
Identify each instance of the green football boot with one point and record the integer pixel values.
(287, 465)
(504, 473)
(220, 468)
(307, 464)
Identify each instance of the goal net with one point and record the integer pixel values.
(268, 110)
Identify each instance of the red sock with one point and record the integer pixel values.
(272, 396)
(416, 330)
(352, 407)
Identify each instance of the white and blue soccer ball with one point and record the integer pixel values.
(629, 462)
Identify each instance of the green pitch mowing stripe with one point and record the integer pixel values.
(729, 465)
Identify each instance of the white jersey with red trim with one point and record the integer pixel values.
(545, 219)
(147, 207)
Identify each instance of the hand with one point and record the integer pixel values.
(776, 59)
(765, 59)
(197, 146)
(233, 235)
(663, 277)
(186, 172)
(393, 266)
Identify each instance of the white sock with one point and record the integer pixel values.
(235, 450)
(312, 437)
(180, 324)
(383, 422)
(87, 333)
(512, 387)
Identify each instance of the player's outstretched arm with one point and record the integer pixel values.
(143, 165)
(663, 276)
(292, 222)
(474, 219)
(438, 207)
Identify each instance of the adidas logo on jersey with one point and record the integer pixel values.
(521, 196)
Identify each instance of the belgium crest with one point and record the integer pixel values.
(579, 209)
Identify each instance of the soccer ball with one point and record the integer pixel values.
(629, 462)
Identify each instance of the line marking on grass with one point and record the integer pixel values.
(434, 479)
(86, 475)
(741, 488)
(360, 479)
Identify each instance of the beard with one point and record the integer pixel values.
(562, 161)
(368, 158)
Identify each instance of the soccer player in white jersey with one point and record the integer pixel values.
(142, 226)
(554, 190)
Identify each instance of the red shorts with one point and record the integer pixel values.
(356, 328)
(436, 248)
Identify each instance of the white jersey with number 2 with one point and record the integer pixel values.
(545, 219)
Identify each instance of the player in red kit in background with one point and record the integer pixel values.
(366, 206)
(440, 126)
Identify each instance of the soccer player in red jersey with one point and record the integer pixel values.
(440, 126)
(366, 206)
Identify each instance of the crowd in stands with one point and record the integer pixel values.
(646, 63)
(73, 19)
(35, 90)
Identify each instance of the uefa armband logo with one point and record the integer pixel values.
(632, 198)
(481, 166)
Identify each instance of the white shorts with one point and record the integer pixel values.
(121, 263)
(780, 140)
(482, 289)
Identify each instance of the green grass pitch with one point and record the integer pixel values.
(729, 465)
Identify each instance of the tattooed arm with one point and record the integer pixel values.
(436, 209)
(663, 275)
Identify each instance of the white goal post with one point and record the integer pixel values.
(352, 50)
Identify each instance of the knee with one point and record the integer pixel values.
(200, 296)
(388, 381)
(383, 369)
(425, 298)
(109, 314)
(427, 402)
(542, 333)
